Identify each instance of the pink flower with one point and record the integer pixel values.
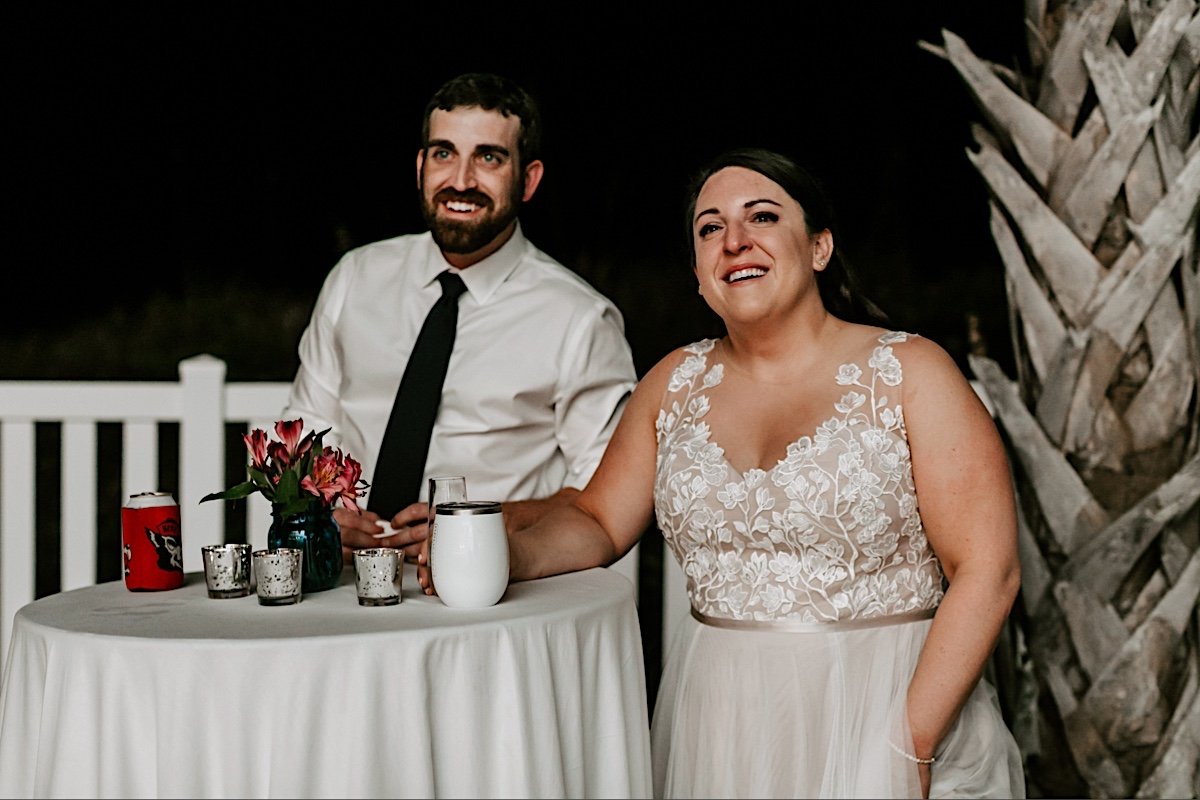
(277, 452)
(289, 432)
(325, 480)
(290, 448)
(256, 444)
(297, 473)
(351, 477)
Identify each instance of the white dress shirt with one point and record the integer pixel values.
(538, 377)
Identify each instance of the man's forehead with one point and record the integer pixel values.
(468, 127)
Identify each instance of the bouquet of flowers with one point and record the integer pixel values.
(297, 474)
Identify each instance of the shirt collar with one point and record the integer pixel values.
(483, 277)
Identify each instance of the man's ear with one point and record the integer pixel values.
(533, 176)
(420, 163)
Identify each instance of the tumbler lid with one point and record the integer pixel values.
(467, 507)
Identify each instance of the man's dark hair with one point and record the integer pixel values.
(837, 283)
(491, 93)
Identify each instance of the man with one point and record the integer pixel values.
(539, 370)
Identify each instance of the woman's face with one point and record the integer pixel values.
(754, 255)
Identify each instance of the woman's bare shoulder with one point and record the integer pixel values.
(916, 353)
(919, 352)
(932, 378)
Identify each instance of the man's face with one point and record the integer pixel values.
(470, 182)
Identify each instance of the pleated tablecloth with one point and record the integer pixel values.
(112, 693)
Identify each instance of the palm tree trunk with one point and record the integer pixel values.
(1091, 158)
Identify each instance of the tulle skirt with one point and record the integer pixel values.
(760, 713)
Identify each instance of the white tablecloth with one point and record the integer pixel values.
(112, 693)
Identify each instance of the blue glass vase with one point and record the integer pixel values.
(317, 534)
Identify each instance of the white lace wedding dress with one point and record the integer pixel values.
(812, 588)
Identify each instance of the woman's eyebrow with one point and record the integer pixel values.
(749, 204)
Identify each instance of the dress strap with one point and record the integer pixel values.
(795, 626)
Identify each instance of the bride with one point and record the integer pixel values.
(840, 502)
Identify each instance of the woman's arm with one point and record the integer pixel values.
(965, 495)
(607, 518)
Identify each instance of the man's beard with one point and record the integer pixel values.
(461, 238)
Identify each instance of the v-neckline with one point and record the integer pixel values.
(709, 365)
(711, 362)
(743, 473)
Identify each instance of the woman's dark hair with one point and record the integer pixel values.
(836, 283)
(491, 93)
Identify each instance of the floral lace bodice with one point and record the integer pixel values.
(830, 533)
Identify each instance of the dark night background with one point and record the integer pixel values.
(181, 176)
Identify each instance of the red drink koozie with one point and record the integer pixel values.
(151, 544)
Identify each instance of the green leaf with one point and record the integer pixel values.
(296, 506)
(232, 493)
(288, 489)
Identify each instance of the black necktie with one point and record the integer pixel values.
(401, 465)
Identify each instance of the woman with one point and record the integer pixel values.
(784, 463)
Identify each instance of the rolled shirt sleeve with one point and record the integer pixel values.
(597, 378)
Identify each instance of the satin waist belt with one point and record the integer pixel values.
(795, 626)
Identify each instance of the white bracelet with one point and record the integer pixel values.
(911, 757)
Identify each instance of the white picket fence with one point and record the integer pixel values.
(202, 403)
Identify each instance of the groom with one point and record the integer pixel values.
(539, 369)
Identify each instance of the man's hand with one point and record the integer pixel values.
(407, 530)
